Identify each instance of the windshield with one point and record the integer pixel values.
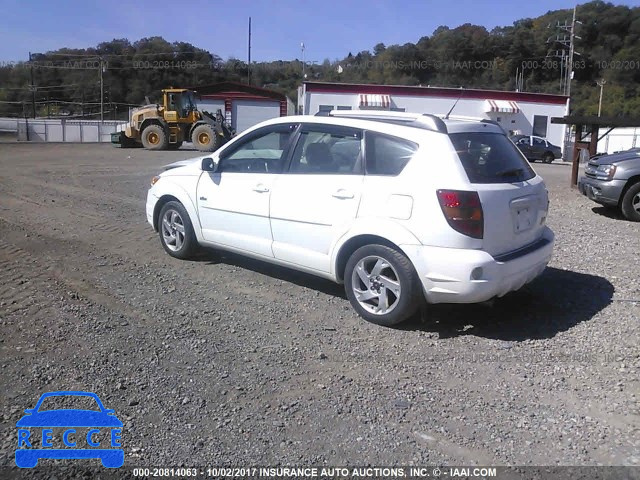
(66, 402)
(187, 103)
(490, 158)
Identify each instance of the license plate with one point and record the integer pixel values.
(523, 219)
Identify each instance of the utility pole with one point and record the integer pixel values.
(601, 84)
(249, 59)
(33, 89)
(101, 91)
(572, 36)
(566, 60)
(302, 48)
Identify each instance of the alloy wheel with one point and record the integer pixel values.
(173, 231)
(376, 285)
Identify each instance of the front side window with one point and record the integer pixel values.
(490, 158)
(387, 155)
(327, 150)
(262, 152)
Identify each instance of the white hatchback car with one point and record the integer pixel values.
(399, 207)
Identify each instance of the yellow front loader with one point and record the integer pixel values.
(177, 120)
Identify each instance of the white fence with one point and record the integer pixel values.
(619, 139)
(61, 130)
(8, 125)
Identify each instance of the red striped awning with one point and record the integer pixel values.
(501, 106)
(375, 101)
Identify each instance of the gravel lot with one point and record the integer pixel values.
(227, 361)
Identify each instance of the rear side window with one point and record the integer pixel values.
(490, 158)
(386, 155)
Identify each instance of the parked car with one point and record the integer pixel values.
(614, 181)
(399, 207)
(537, 148)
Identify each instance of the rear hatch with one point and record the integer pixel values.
(514, 199)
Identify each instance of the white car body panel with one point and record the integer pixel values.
(303, 221)
(309, 213)
(234, 210)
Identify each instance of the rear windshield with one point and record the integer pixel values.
(491, 158)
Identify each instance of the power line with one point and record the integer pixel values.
(117, 55)
(46, 87)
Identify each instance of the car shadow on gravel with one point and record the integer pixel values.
(555, 302)
(301, 279)
(609, 212)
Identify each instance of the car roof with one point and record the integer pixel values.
(385, 124)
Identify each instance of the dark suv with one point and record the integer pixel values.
(537, 148)
(614, 181)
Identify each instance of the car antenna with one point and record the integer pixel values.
(454, 104)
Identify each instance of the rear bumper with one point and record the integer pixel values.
(606, 193)
(451, 275)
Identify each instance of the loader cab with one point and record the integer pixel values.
(179, 105)
(187, 104)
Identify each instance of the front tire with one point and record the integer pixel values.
(382, 285)
(154, 138)
(205, 138)
(176, 231)
(631, 203)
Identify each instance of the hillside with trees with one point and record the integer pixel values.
(67, 81)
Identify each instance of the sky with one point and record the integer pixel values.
(329, 29)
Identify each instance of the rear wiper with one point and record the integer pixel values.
(513, 172)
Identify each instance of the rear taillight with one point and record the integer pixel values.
(463, 211)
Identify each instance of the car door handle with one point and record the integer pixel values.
(343, 194)
(260, 188)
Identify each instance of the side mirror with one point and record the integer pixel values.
(208, 165)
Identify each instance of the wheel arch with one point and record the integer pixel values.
(630, 182)
(162, 201)
(153, 121)
(352, 244)
(181, 196)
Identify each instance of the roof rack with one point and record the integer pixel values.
(419, 120)
(474, 119)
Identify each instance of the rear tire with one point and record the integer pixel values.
(205, 138)
(154, 138)
(631, 203)
(382, 285)
(548, 157)
(176, 231)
